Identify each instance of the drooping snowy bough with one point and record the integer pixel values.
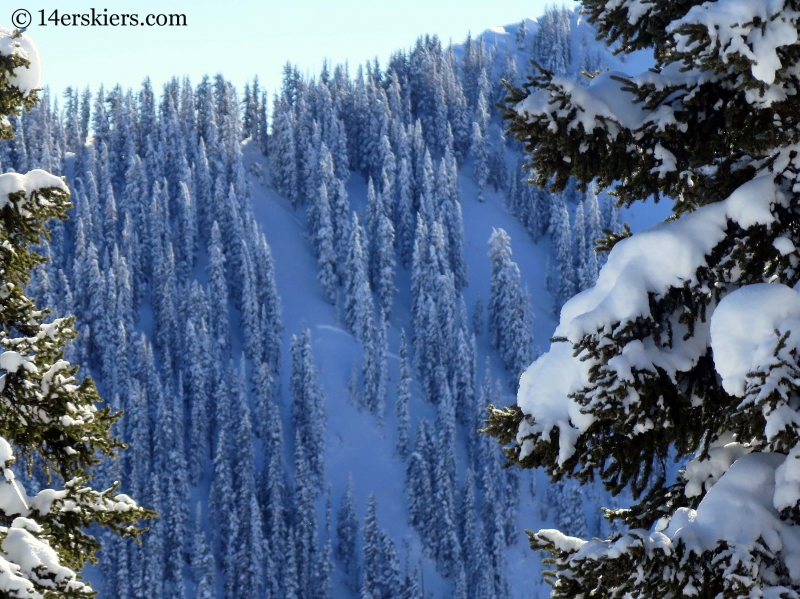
(47, 416)
(688, 343)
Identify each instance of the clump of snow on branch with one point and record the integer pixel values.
(595, 104)
(702, 474)
(746, 490)
(25, 555)
(749, 540)
(25, 79)
(730, 25)
(27, 185)
(743, 331)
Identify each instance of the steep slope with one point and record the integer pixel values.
(141, 252)
(355, 443)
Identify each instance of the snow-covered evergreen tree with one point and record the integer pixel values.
(583, 273)
(359, 307)
(419, 483)
(551, 44)
(305, 529)
(594, 232)
(219, 290)
(520, 37)
(480, 153)
(447, 547)
(326, 251)
(684, 346)
(370, 369)
(324, 580)
(282, 152)
(381, 351)
(203, 568)
(565, 501)
(347, 536)
(497, 172)
(308, 404)
(508, 308)
(380, 577)
(561, 235)
(471, 549)
(385, 263)
(453, 222)
(405, 213)
(403, 397)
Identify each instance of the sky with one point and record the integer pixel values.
(243, 38)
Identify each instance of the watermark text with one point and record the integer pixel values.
(95, 17)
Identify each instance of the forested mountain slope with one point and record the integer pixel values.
(302, 316)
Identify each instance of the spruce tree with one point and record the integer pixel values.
(403, 397)
(326, 566)
(282, 152)
(464, 374)
(340, 221)
(306, 534)
(369, 369)
(497, 171)
(405, 213)
(469, 532)
(684, 348)
(565, 503)
(419, 483)
(561, 235)
(521, 35)
(583, 278)
(480, 154)
(308, 404)
(412, 588)
(219, 290)
(381, 573)
(270, 316)
(385, 263)
(49, 418)
(508, 307)
(359, 307)
(594, 232)
(448, 546)
(250, 118)
(347, 536)
(153, 556)
(370, 237)
(551, 44)
(203, 567)
(453, 222)
(274, 492)
(324, 240)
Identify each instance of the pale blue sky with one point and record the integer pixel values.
(247, 37)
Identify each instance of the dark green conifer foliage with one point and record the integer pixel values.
(710, 117)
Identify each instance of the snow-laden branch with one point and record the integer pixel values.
(27, 78)
(640, 268)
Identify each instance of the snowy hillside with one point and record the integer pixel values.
(210, 240)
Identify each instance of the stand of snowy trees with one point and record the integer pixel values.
(159, 190)
(406, 131)
(51, 425)
(179, 318)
